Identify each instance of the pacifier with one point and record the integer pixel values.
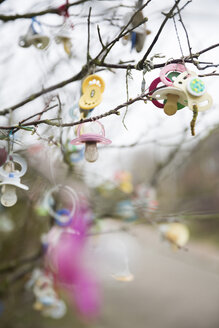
(34, 37)
(63, 216)
(195, 91)
(43, 287)
(74, 112)
(173, 96)
(47, 300)
(125, 276)
(11, 179)
(122, 271)
(139, 34)
(56, 311)
(175, 233)
(91, 135)
(165, 73)
(64, 37)
(92, 88)
(125, 210)
(173, 99)
(76, 154)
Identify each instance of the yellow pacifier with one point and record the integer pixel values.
(92, 88)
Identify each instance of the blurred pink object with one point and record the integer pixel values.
(65, 258)
(3, 156)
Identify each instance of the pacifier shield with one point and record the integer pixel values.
(91, 98)
(93, 80)
(196, 87)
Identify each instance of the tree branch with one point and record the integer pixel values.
(88, 37)
(36, 95)
(7, 18)
(168, 15)
(91, 119)
(96, 62)
(122, 33)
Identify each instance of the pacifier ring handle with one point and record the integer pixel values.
(153, 86)
(72, 195)
(170, 68)
(17, 159)
(102, 129)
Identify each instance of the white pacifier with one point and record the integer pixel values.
(195, 90)
(10, 178)
(173, 96)
(34, 36)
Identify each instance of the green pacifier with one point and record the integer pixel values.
(172, 76)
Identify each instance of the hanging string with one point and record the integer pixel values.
(179, 42)
(34, 21)
(10, 142)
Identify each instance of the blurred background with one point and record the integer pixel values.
(153, 174)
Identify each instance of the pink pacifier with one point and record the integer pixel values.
(179, 68)
(91, 135)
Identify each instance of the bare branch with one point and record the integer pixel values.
(186, 33)
(7, 18)
(91, 119)
(168, 16)
(99, 35)
(122, 33)
(36, 95)
(88, 36)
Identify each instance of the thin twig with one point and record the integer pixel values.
(186, 33)
(91, 119)
(122, 33)
(100, 38)
(88, 37)
(46, 109)
(36, 95)
(168, 16)
(96, 62)
(7, 18)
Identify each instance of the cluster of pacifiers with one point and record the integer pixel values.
(46, 298)
(181, 88)
(36, 36)
(10, 178)
(91, 133)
